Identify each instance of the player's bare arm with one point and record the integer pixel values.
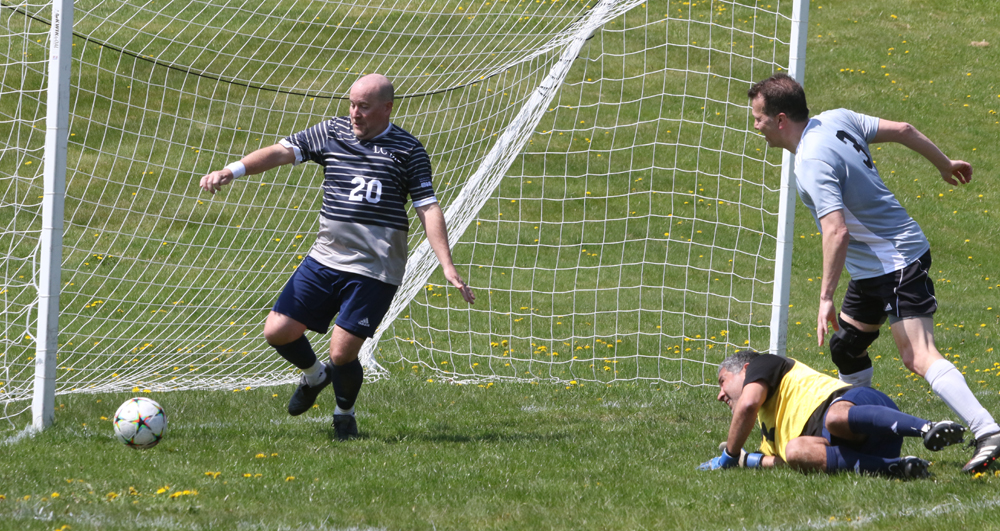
(259, 161)
(835, 239)
(745, 414)
(954, 172)
(744, 401)
(432, 218)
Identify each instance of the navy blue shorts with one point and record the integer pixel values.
(877, 445)
(316, 294)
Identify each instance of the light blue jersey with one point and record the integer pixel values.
(834, 171)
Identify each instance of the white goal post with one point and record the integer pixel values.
(605, 193)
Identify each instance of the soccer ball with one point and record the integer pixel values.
(140, 423)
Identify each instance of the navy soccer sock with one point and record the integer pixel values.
(347, 380)
(298, 352)
(841, 458)
(883, 421)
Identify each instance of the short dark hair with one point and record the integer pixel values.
(735, 362)
(782, 94)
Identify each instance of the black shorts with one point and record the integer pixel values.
(316, 293)
(908, 292)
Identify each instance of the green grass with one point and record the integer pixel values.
(504, 455)
(434, 456)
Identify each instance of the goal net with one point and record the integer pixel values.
(605, 193)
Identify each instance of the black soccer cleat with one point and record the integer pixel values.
(937, 435)
(987, 451)
(345, 427)
(305, 395)
(910, 467)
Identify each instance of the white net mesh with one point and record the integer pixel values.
(607, 198)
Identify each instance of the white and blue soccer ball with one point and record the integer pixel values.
(140, 423)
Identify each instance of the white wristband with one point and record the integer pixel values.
(238, 169)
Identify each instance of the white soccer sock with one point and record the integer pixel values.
(860, 378)
(338, 411)
(949, 384)
(315, 374)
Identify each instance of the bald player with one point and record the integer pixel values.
(370, 168)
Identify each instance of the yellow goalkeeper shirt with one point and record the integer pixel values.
(797, 399)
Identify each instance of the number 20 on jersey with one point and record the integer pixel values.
(370, 191)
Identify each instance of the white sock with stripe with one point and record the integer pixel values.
(949, 384)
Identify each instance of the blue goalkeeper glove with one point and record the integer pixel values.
(747, 460)
(751, 460)
(723, 461)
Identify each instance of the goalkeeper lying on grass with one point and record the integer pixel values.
(812, 421)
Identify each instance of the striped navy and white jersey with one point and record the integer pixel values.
(363, 220)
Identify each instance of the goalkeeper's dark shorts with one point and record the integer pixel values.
(316, 294)
(877, 445)
(907, 292)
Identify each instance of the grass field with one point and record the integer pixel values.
(433, 456)
(590, 456)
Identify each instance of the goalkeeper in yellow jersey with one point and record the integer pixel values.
(811, 421)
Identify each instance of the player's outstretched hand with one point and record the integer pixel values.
(213, 182)
(960, 172)
(463, 288)
(723, 461)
